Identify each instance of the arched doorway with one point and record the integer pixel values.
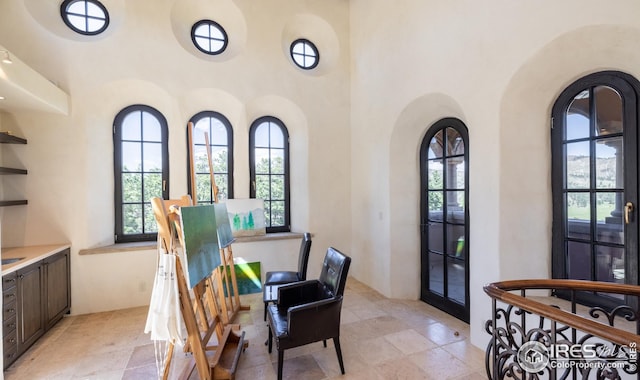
(445, 217)
(595, 182)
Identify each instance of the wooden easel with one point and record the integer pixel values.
(208, 309)
(201, 310)
(231, 304)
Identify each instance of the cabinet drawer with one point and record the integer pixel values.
(10, 355)
(8, 326)
(9, 281)
(10, 340)
(8, 310)
(10, 295)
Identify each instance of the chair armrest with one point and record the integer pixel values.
(316, 320)
(298, 293)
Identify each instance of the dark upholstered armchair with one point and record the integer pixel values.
(287, 277)
(309, 311)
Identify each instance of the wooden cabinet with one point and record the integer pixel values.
(6, 138)
(58, 287)
(35, 298)
(30, 305)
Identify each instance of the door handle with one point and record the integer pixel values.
(628, 209)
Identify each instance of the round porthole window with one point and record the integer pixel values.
(209, 37)
(87, 17)
(304, 54)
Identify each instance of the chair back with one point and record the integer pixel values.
(334, 271)
(303, 257)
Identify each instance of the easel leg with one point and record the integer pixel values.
(167, 363)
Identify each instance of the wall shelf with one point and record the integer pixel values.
(7, 138)
(13, 203)
(4, 170)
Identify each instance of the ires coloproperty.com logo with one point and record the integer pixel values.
(533, 357)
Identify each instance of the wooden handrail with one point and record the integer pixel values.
(593, 286)
(500, 291)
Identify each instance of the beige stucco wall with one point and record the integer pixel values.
(498, 66)
(144, 59)
(391, 70)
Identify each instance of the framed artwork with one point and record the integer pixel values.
(246, 216)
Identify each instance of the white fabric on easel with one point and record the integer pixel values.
(164, 320)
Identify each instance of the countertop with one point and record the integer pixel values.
(31, 254)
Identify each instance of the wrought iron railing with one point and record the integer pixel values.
(535, 335)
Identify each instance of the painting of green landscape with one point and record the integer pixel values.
(246, 216)
(200, 236)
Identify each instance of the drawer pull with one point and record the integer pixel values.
(11, 326)
(9, 295)
(11, 310)
(12, 340)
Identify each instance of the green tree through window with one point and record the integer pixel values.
(220, 146)
(269, 160)
(141, 171)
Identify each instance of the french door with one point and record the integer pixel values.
(445, 216)
(595, 182)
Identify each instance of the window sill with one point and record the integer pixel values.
(152, 245)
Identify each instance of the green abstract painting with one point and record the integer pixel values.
(200, 236)
(225, 236)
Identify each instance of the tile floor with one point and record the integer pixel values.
(381, 339)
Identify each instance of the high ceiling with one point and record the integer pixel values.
(22, 88)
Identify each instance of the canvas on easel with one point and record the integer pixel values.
(246, 216)
(202, 306)
(228, 267)
(200, 236)
(225, 235)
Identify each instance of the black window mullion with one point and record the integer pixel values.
(592, 183)
(142, 185)
(445, 211)
(86, 15)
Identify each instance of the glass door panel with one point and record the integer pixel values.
(596, 142)
(444, 214)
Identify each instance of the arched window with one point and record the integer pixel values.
(594, 181)
(141, 170)
(220, 136)
(269, 170)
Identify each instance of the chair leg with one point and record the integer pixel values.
(270, 338)
(265, 310)
(336, 342)
(325, 343)
(280, 362)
